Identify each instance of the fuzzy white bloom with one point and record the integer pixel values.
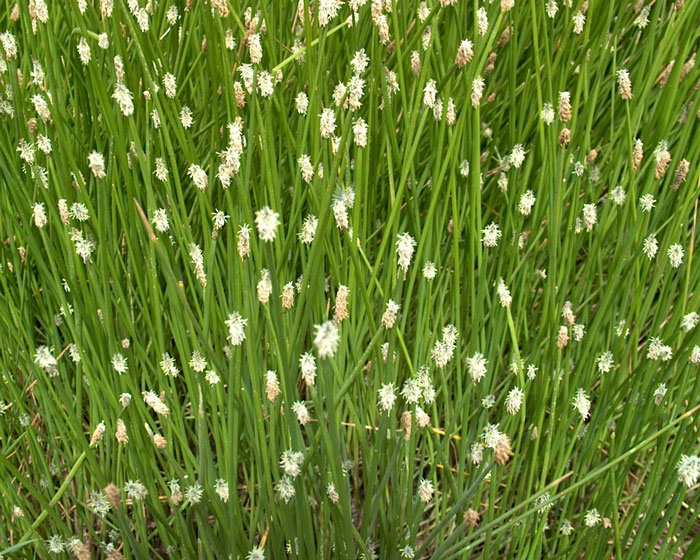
(387, 397)
(236, 325)
(527, 201)
(221, 489)
(425, 491)
(422, 418)
(590, 217)
(504, 293)
(359, 62)
(266, 85)
(308, 229)
(186, 117)
(119, 363)
(9, 44)
(291, 462)
(675, 255)
(477, 367)
(84, 51)
(170, 85)
(168, 366)
(155, 403)
(306, 168)
(307, 364)
(547, 114)
(491, 235)
(96, 163)
(326, 339)
(135, 490)
(579, 21)
(405, 247)
(582, 403)
(255, 48)
(266, 222)
(477, 90)
(592, 518)
(482, 21)
(124, 99)
(301, 412)
(39, 215)
(429, 93)
(605, 362)
(517, 156)
(199, 176)
(327, 117)
(198, 362)
(514, 400)
(552, 8)
(694, 357)
(647, 202)
(359, 132)
(302, 103)
(327, 10)
(286, 490)
(690, 321)
(658, 350)
(160, 220)
(429, 270)
(476, 453)
(43, 357)
(651, 246)
(689, 469)
(618, 195)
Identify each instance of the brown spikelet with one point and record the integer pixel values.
(564, 137)
(97, 434)
(564, 106)
(79, 550)
(504, 38)
(113, 494)
(341, 304)
(663, 78)
(114, 555)
(415, 63)
(120, 433)
(637, 154)
(490, 63)
(240, 94)
(688, 66)
(502, 452)
(471, 517)
(662, 161)
(681, 173)
(590, 158)
(562, 337)
(406, 420)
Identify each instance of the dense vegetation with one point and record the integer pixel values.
(361, 279)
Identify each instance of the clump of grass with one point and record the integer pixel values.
(349, 280)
